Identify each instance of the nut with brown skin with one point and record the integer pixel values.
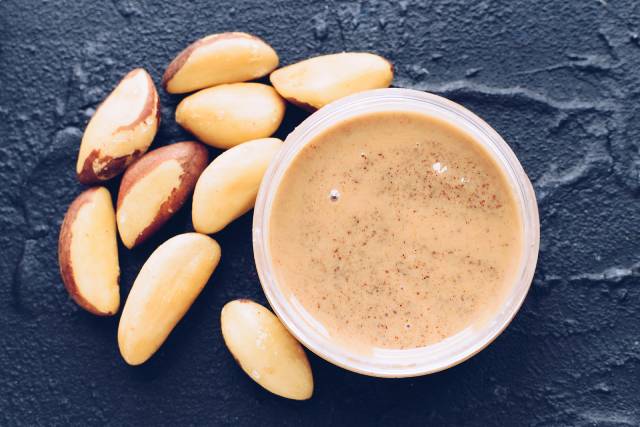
(265, 350)
(121, 129)
(230, 114)
(315, 82)
(219, 58)
(155, 187)
(88, 252)
(168, 283)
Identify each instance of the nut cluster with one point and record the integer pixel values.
(226, 112)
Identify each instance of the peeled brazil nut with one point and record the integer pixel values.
(155, 187)
(88, 252)
(165, 288)
(265, 350)
(228, 187)
(121, 129)
(227, 115)
(217, 59)
(315, 82)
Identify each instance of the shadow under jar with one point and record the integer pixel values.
(395, 234)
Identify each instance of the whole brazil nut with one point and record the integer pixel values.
(168, 283)
(88, 252)
(155, 187)
(227, 115)
(219, 58)
(121, 129)
(315, 82)
(265, 350)
(228, 187)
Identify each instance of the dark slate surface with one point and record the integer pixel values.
(558, 79)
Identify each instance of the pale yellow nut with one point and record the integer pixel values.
(121, 129)
(168, 283)
(219, 58)
(155, 187)
(227, 115)
(228, 187)
(315, 82)
(265, 350)
(88, 252)
(141, 206)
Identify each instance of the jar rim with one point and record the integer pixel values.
(407, 362)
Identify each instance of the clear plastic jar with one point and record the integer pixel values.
(392, 362)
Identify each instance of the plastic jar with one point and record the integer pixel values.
(397, 362)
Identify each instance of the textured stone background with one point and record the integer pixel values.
(559, 80)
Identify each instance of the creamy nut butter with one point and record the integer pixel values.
(395, 229)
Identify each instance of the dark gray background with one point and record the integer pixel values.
(559, 80)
